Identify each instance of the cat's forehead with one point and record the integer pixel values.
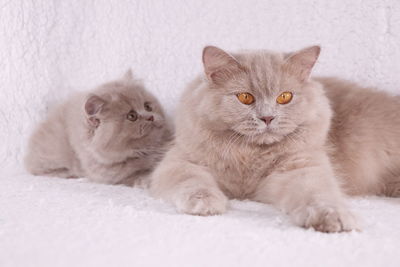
(261, 62)
(263, 70)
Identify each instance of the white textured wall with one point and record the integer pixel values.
(48, 48)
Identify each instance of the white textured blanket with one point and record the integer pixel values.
(58, 222)
(50, 48)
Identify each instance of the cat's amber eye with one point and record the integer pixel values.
(132, 115)
(284, 98)
(147, 106)
(245, 98)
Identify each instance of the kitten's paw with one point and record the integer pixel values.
(326, 219)
(202, 202)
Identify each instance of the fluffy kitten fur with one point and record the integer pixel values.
(90, 135)
(299, 161)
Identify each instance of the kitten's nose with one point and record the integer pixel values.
(267, 119)
(150, 118)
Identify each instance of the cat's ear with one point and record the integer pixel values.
(94, 104)
(300, 63)
(128, 76)
(219, 66)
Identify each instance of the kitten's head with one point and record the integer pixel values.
(260, 95)
(123, 117)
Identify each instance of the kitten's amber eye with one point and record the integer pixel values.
(284, 98)
(132, 115)
(147, 106)
(245, 98)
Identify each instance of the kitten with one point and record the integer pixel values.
(115, 134)
(255, 126)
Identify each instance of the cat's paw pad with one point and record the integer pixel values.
(202, 202)
(327, 219)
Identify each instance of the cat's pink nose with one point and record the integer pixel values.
(267, 119)
(150, 118)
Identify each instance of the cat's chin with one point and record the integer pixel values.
(270, 136)
(158, 124)
(153, 131)
(265, 137)
(150, 128)
(268, 139)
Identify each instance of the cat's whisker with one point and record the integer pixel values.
(234, 143)
(235, 137)
(228, 143)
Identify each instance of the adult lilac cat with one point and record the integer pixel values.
(114, 134)
(255, 126)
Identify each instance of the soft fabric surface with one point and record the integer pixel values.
(58, 222)
(50, 48)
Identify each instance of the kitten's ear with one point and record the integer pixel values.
(300, 63)
(128, 76)
(94, 104)
(219, 66)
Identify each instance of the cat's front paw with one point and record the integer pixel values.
(201, 202)
(326, 219)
